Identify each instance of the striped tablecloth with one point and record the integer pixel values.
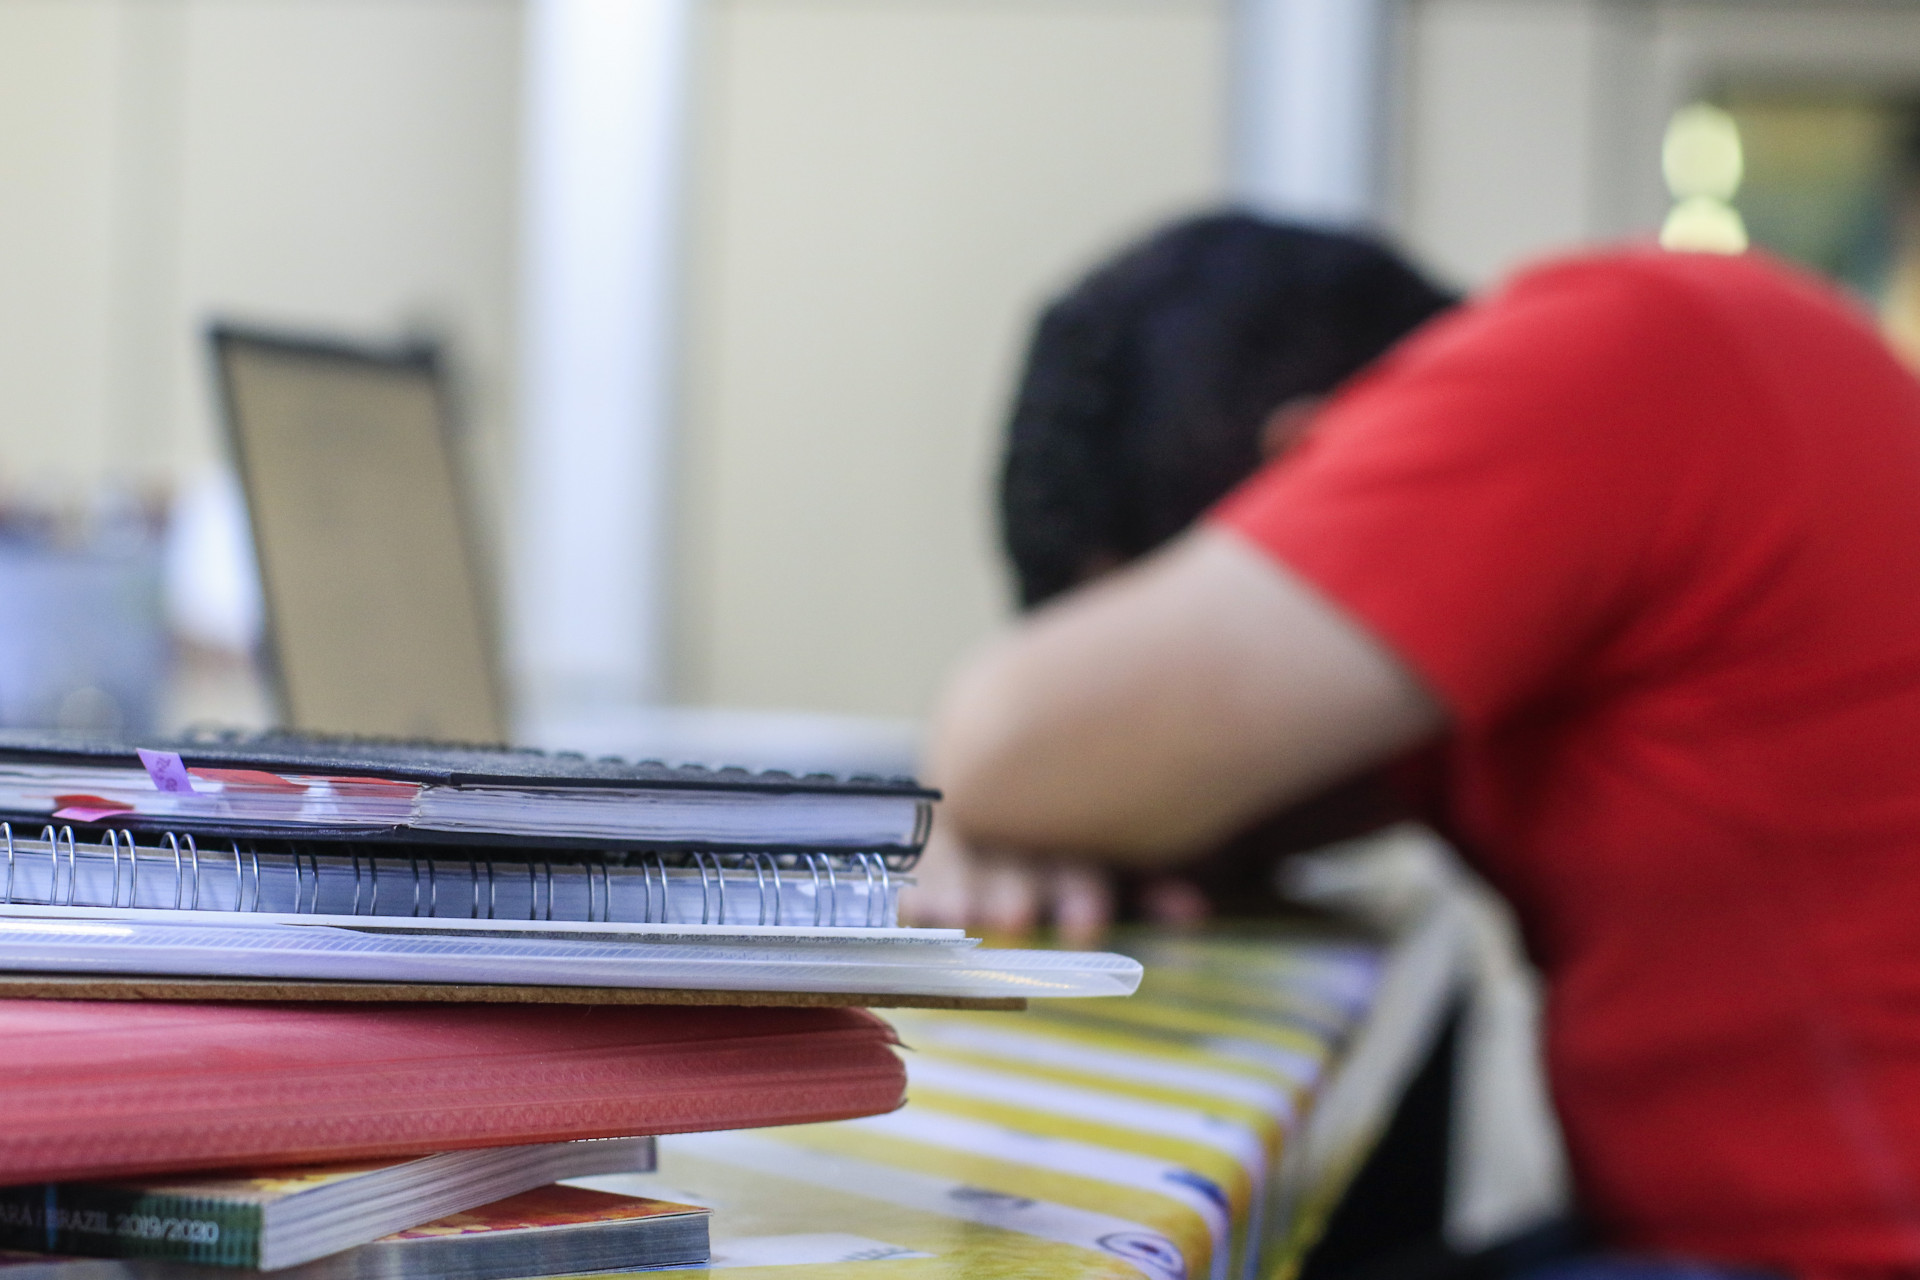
(1198, 1129)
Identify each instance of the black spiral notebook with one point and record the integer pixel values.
(302, 825)
(318, 788)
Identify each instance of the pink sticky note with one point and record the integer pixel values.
(168, 771)
(78, 813)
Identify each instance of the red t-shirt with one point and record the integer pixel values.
(1649, 527)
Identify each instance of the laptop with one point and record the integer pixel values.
(378, 613)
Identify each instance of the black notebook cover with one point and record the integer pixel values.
(432, 764)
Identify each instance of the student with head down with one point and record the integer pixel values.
(1631, 547)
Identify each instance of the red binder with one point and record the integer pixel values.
(93, 1090)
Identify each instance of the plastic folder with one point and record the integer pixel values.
(234, 946)
(110, 1090)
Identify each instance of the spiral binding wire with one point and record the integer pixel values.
(763, 884)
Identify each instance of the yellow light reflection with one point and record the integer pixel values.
(1703, 224)
(1701, 155)
(1703, 163)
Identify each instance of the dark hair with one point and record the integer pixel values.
(1147, 384)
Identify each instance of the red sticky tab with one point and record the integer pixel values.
(167, 771)
(392, 784)
(100, 803)
(248, 779)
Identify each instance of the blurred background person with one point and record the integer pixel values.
(1636, 539)
(1150, 389)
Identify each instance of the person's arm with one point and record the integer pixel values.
(1158, 711)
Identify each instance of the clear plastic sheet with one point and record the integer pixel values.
(850, 965)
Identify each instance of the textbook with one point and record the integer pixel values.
(279, 1217)
(102, 1092)
(551, 1231)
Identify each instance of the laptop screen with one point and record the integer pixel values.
(377, 616)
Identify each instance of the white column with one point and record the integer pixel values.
(1307, 107)
(605, 123)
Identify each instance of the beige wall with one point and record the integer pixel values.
(885, 189)
(1527, 127)
(881, 192)
(56, 99)
(1498, 123)
(341, 164)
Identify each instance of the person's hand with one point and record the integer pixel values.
(958, 888)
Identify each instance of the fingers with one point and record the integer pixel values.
(941, 896)
(1175, 902)
(1015, 898)
(1082, 905)
(956, 888)
(1010, 897)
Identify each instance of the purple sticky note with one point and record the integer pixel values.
(168, 771)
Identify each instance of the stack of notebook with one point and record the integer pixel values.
(355, 1008)
(314, 860)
